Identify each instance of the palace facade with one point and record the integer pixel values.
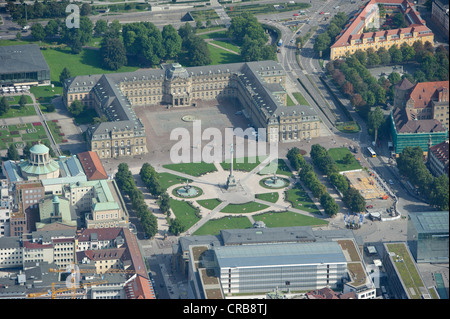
(258, 86)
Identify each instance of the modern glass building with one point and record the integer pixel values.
(294, 266)
(23, 65)
(428, 236)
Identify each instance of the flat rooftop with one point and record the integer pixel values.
(21, 58)
(279, 254)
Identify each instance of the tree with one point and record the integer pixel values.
(12, 153)
(172, 41)
(394, 78)
(408, 52)
(113, 53)
(323, 42)
(384, 55)
(76, 108)
(4, 106)
(396, 54)
(348, 88)
(361, 56)
(372, 58)
(376, 118)
(22, 101)
(51, 29)
(164, 205)
(339, 181)
(295, 158)
(329, 205)
(176, 227)
(37, 32)
(439, 193)
(65, 74)
(354, 200)
(101, 26)
(85, 9)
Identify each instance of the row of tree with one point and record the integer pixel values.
(126, 184)
(325, 40)
(354, 79)
(410, 164)
(309, 178)
(325, 163)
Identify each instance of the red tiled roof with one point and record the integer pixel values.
(424, 92)
(344, 38)
(441, 151)
(139, 288)
(101, 254)
(92, 165)
(102, 234)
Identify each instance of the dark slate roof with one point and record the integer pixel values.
(405, 123)
(22, 58)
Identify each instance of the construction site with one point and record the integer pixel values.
(379, 198)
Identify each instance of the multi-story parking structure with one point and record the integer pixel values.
(257, 86)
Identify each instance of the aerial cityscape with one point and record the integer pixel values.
(224, 150)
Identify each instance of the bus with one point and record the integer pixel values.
(372, 152)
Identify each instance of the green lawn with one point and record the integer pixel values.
(166, 180)
(85, 63)
(300, 200)
(300, 98)
(214, 226)
(227, 45)
(17, 111)
(194, 169)
(338, 154)
(209, 203)
(249, 207)
(184, 213)
(221, 56)
(286, 219)
(245, 164)
(269, 197)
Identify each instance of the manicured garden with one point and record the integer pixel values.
(21, 134)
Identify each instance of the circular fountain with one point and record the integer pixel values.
(275, 182)
(187, 191)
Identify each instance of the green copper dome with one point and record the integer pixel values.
(39, 149)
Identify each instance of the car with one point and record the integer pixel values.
(369, 206)
(238, 113)
(296, 14)
(292, 41)
(321, 12)
(391, 182)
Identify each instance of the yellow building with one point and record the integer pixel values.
(353, 38)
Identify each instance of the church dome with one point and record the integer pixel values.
(39, 149)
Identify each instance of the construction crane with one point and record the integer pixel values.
(53, 292)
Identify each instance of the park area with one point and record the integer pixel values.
(271, 206)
